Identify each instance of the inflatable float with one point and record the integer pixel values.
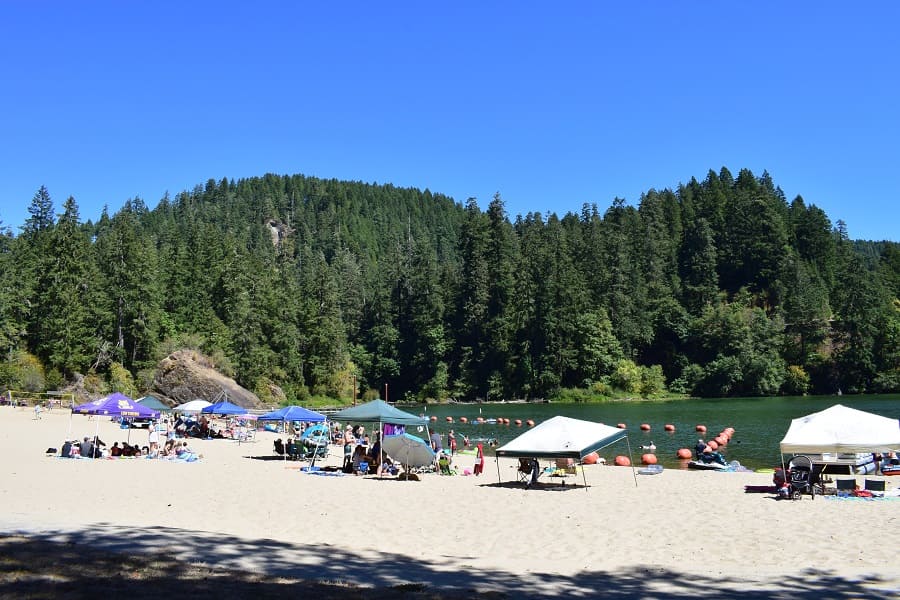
(651, 470)
(704, 466)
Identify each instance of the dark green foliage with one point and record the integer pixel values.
(303, 284)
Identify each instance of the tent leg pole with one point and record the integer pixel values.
(631, 460)
(584, 477)
(497, 460)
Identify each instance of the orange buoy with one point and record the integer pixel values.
(480, 419)
(701, 428)
(530, 423)
(518, 422)
(645, 427)
(721, 440)
(433, 418)
(684, 453)
(623, 461)
(669, 427)
(730, 430)
(449, 419)
(622, 426)
(463, 420)
(648, 459)
(713, 445)
(506, 421)
(591, 459)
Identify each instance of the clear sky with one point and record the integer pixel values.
(550, 104)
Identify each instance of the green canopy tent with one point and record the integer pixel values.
(154, 403)
(379, 411)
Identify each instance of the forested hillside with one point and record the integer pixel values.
(719, 287)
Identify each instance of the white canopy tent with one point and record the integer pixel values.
(841, 429)
(192, 407)
(563, 437)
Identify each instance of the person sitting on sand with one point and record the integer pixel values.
(359, 455)
(87, 448)
(115, 451)
(387, 466)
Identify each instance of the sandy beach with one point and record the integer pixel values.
(678, 533)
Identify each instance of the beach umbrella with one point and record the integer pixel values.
(408, 450)
(224, 407)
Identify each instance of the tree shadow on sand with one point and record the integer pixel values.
(203, 564)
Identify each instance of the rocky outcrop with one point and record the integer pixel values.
(187, 375)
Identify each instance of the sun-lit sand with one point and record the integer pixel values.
(674, 533)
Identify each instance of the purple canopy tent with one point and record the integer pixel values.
(114, 405)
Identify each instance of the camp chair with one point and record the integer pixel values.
(363, 467)
(293, 451)
(444, 465)
(845, 487)
(278, 446)
(529, 470)
(876, 486)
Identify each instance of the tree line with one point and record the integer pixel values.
(301, 287)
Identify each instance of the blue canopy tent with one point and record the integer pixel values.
(224, 407)
(291, 414)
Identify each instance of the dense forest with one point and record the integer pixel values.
(299, 287)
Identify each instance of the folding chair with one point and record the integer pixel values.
(876, 486)
(363, 467)
(845, 487)
(526, 465)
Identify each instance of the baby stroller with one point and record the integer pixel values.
(801, 479)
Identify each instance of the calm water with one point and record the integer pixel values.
(759, 423)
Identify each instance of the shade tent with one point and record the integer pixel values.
(841, 429)
(116, 405)
(562, 437)
(293, 413)
(378, 411)
(192, 407)
(154, 403)
(224, 407)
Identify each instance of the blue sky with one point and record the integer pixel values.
(550, 104)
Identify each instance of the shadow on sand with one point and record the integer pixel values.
(233, 568)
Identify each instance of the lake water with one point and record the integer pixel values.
(759, 423)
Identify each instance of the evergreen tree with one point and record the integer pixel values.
(61, 327)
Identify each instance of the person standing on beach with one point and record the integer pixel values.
(436, 442)
(451, 442)
(37, 411)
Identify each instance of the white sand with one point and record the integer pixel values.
(677, 532)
